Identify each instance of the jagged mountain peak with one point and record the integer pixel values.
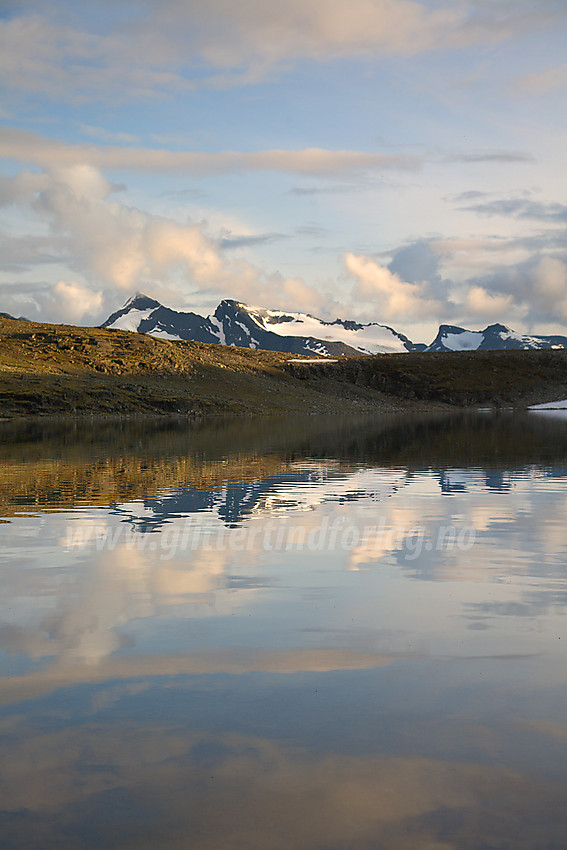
(141, 301)
(240, 324)
(493, 338)
(236, 323)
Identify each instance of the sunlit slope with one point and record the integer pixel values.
(59, 369)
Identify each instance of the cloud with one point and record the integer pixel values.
(465, 280)
(471, 195)
(483, 304)
(539, 284)
(231, 241)
(308, 191)
(312, 230)
(106, 136)
(20, 253)
(40, 56)
(490, 156)
(389, 296)
(116, 248)
(175, 46)
(48, 153)
(542, 82)
(21, 186)
(76, 300)
(416, 263)
(521, 208)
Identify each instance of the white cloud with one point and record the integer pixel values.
(551, 279)
(389, 296)
(74, 300)
(117, 248)
(532, 291)
(483, 304)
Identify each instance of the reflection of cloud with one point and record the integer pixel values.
(123, 667)
(170, 582)
(95, 604)
(251, 793)
(536, 603)
(352, 520)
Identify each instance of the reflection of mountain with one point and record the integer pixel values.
(300, 490)
(63, 465)
(229, 502)
(462, 480)
(304, 490)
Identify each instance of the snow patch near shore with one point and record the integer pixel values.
(550, 405)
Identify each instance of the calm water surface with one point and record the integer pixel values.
(284, 633)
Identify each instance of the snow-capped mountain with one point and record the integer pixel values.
(234, 323)
(492, 338)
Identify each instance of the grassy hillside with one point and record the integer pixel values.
(60, 369)
(459, 378)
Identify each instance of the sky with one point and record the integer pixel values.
(397, 161)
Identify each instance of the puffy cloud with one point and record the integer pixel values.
(537, 287)
(389, 295)
(21, 186)
(469, 280)
(417, 262)
(483, 304)
(550, 280)
(74, 300)
(117, 248)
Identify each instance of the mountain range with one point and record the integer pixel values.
(234, 323)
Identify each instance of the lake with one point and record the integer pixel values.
(314, 632)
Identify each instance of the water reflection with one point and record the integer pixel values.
(323, 633)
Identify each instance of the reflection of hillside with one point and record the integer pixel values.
(63, 464)
(438, 441)
(55, 484)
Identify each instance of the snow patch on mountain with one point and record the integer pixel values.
(493, 338)
(131, 321)
(214, 321)
(368, 339)
(465, 341)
